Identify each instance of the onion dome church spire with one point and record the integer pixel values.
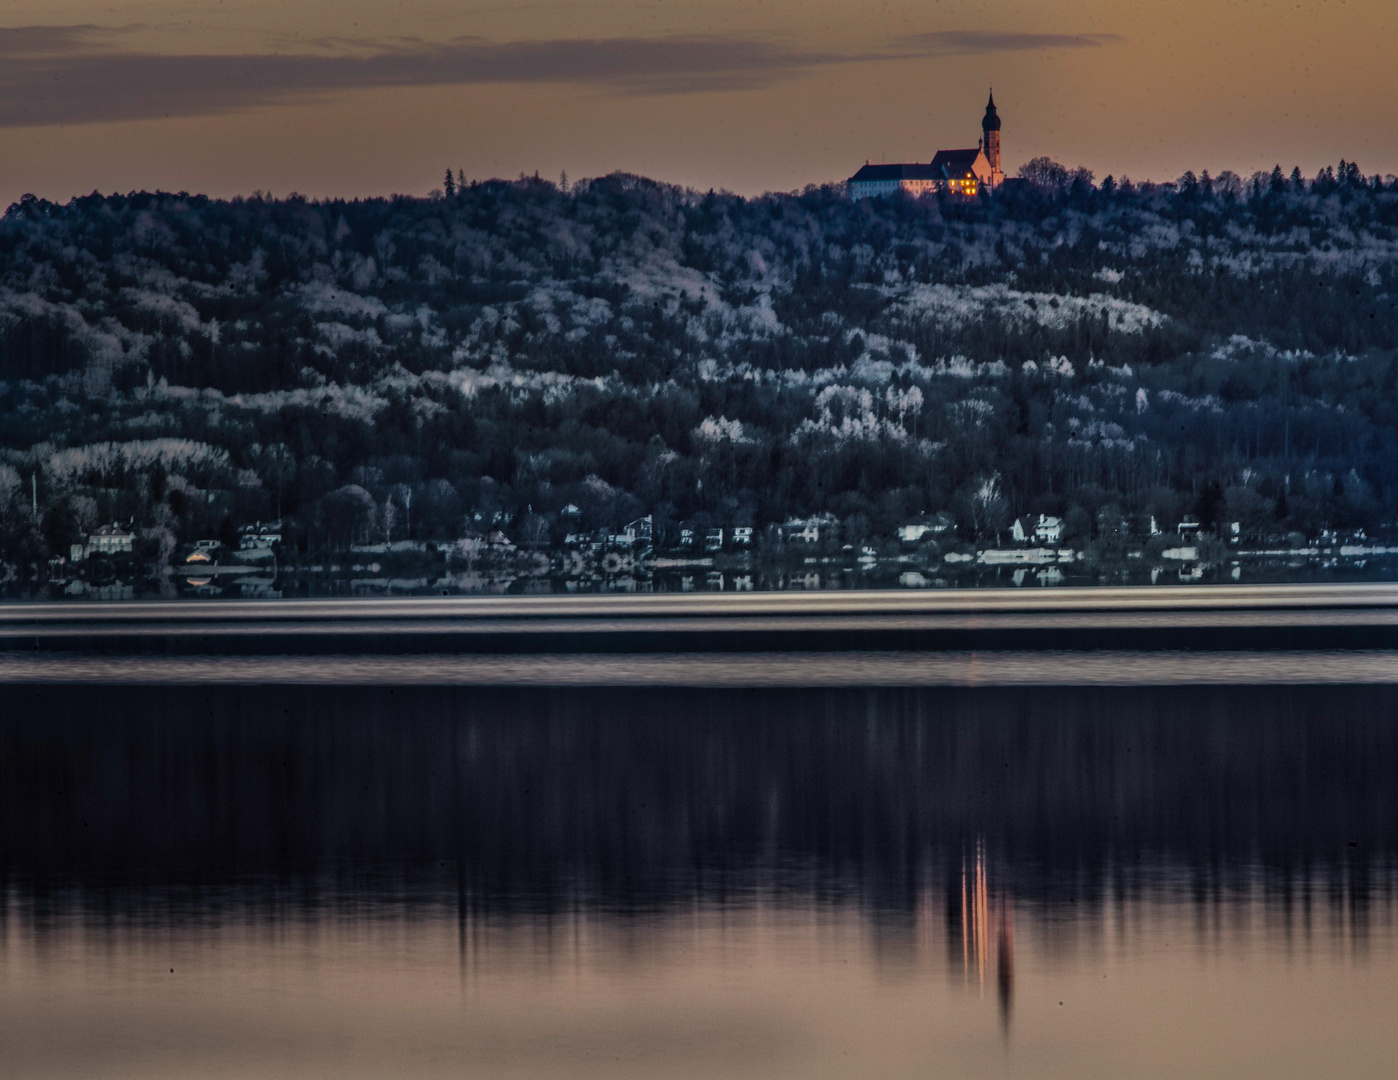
(990, 129)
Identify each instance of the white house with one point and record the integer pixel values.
(633, 532)
(1045, 530)
(1048, 530)
(915, 532)
(110, 539)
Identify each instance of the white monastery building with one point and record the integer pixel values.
(957, 172)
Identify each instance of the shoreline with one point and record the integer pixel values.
(1107, 636)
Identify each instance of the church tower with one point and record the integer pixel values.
(990, 128)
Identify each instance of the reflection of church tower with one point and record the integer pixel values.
(980, 929)
(990, 126)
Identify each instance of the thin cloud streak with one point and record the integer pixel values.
(81, 39)
(949, 42)
(61, 75)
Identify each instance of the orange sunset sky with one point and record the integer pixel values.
(364, 97)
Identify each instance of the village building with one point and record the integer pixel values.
(642, 530)
(1045, 530)
(113, 539)
(804, 531)
(915, 532)
(954, 172)
(258, 536)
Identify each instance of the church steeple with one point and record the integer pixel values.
(990, 128)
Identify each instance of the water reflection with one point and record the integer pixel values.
(1002, 882)
(985, 930)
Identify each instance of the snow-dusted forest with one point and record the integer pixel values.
(408, 368)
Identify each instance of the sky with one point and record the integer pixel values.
(372, 97)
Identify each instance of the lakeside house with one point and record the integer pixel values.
(642, 530)
(1045, 530)
(259, 536)
(805, 530)
(915, 532)
(113, 539)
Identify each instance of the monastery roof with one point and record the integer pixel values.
(906, 171)
(946, 165)
(955, 163)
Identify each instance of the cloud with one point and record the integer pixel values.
(32, 41)
(98, 87)
(73, 75)
(955, 42)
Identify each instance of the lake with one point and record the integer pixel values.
(237, 880)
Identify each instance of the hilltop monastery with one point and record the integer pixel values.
(958, 172)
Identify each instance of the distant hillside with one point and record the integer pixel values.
(385, 369)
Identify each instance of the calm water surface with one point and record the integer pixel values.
(649, 883)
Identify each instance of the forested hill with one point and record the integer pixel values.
(371, 369)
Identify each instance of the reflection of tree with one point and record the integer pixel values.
(546, 800)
